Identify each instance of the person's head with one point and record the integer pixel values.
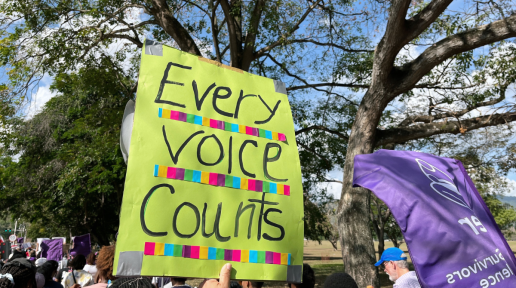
(17, 255)
(104, 263)
(395, 269)
(252, 284)
(139, 282)
(22, 272)
(48, 269)
(340, 280)
(394, 263)
(40, 280)
(78, 262)
(40, 261)
(308, 278)
(177, 281)
(90, 260)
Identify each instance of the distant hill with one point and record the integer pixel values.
(509, 200)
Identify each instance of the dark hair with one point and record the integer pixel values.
(340, 280)
(308, 277)
(105, 262)
(22, 274)
(132, 283)
(90, 260)
(78, 262)
(48, 268)
(182, 280)
(17, 254)
(257, 284)
(234, 284)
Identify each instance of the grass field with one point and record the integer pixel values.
(314, 252)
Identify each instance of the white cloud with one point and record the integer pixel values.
(512, 191)
(39, 99)
(334, 189)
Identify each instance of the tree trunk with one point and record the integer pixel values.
(395, 242)
(381, 241)
(357, 244)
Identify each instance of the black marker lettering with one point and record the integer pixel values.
(267, 160)
(144, 207)
(240, 98)
(221, 151)
(198, 102)
(237, 218)
(175, 157)
(165, 81)
(273, 111)
(217, 224)
(216, 96)
(197, 217)
(255, 144)
(230, 154)
(204, 234)
(282, 231)
(262, 202)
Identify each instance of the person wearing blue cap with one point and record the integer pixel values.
(394, 263)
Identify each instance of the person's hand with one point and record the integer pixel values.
(225, 277)
(76, 286)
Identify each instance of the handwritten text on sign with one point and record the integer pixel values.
(200, 174)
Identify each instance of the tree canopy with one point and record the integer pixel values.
(361, 75)
(69, 175)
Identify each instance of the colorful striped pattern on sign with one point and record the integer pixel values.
(217, 179)
(222, 125)
(211, 253)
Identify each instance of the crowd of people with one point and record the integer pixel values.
(23, 270)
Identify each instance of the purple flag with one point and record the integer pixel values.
(451, 235)
(19, 240)
(82, 245)
(52, 249)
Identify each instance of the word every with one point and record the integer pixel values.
(219, 93)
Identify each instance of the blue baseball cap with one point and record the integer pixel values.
(391, 254)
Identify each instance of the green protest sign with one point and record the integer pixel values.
(213, 174)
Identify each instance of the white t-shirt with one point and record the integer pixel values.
(92, 269)
(407, 280)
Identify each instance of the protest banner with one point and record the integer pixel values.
(52, 249)
(39, 240)
(451, 235)
(213, 174)
(62, 239)
(81, 245)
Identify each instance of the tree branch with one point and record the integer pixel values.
(250, 39)
(419, 22)
(348, 85)
(413, 71)
(283, 37)
(401, 135)
(161, 11)
(235, 44)
(391, 42)
(329, 44)
(430, 118)
(322, 128)
(304, 81)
